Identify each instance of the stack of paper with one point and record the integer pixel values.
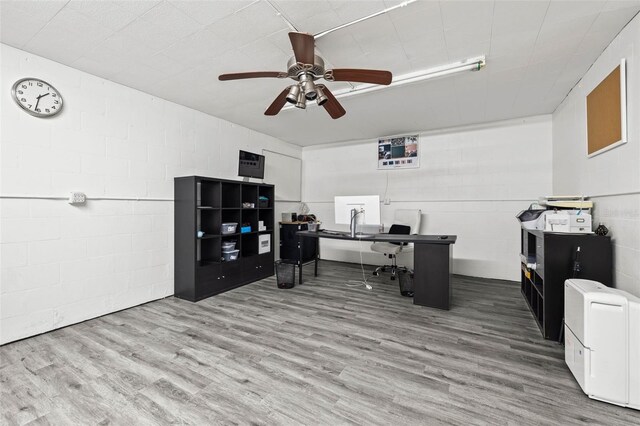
(566, 202)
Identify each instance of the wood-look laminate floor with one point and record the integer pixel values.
(321, 353)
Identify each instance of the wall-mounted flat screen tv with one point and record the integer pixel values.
(251, 165)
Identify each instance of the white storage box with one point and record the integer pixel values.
(230, 255)
(264, 243)
(229, 228)
(228, 245)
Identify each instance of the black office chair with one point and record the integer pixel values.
(407, 221)
(391, 250)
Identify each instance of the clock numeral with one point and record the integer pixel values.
(38, 110)
(53, 107)
(40, 84)
(46, 110)
(30, 84)
(53, 95)
(20, 92)
(56, 102)
(24, 86)
(23, 100)
(29, 105)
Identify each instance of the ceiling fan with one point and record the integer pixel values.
(305, 67)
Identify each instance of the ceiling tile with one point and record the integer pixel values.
(567, 10)
(149, 34)
(298, 11)
(467, 16)
(535, 51)
(172, 20)
(206, 12)
(33, 10)
(512, 17)
(196, 48)
(109, 14)
(17, 32)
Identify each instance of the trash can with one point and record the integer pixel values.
(286, 273)
(405, 281)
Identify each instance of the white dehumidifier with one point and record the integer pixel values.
(602, 341)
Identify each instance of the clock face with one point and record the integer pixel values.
(37, 97)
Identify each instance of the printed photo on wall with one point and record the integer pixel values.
(399, 152)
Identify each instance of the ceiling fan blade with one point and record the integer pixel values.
(254, 74)
(303, 47)
(278, 103)
(332, 105)
(359, 75)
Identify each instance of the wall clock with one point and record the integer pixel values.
(37, 97)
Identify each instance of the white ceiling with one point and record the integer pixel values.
(536, 51)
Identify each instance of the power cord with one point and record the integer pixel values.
(364, 281)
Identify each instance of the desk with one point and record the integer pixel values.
(431, 260)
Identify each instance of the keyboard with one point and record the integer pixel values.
(330, 232)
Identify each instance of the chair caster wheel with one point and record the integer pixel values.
(393, 278)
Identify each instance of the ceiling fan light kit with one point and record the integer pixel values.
(302, 100)
(321, 99)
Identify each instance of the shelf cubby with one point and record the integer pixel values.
(249, 245)
(231, 195)
(250, 217)
(266, 215)
(208, 194)
(250, 194)
(208, 221)
(269, 192)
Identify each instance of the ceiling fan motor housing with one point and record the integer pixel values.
(315, 70)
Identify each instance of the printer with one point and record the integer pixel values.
(602, 341)
(570, 221)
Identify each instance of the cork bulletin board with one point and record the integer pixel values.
(607, 113)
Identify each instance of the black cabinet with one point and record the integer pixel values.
(290, 243)
(553, 255)
(202, 206)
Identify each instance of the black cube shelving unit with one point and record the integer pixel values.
(204, 204)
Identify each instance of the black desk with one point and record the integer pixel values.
(431, 260)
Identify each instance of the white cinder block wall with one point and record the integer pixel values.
(471, 182)
(62, 264)
(611, 178)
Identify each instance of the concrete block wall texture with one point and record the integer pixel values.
(61, 264)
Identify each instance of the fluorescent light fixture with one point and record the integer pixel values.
(472, 64)
(373, 15)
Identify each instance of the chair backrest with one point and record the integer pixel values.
(409, 217)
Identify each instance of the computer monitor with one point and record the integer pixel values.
(369, 204)
(251, 165)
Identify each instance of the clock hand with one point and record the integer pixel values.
(38, 98)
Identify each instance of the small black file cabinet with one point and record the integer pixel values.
(554, 256)
(290, 243)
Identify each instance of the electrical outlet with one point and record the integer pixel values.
(77, 198)
(387, 201)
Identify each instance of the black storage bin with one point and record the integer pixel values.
(286, 273)
(405, 281)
